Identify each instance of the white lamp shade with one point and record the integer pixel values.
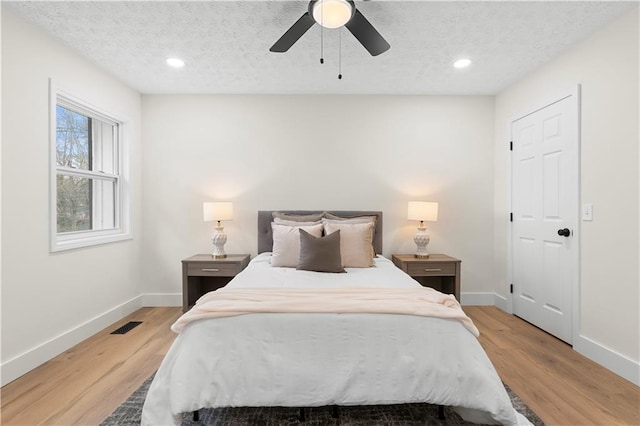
(332, 13)
(423, 210)
(218, 210)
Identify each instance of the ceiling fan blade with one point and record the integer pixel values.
(367, 35)
(293, 34)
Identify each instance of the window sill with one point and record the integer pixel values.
(70, 244)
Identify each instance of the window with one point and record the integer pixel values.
(89, 196)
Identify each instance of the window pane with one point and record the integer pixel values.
(74, 203)
(104, 195)
(73, 139)
(104, 147)
(85, 204)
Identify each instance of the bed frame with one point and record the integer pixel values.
(265, 217)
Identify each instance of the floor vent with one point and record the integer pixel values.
(127, 327)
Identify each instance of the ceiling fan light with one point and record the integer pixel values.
(332, 13)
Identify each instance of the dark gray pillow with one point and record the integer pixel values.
(320, 254)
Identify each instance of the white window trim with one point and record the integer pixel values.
(122, 230)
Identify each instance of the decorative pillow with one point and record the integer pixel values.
(356, 243)
(361, 219)
(298, 217)
(286, 243)
(320, 254)
(350, 219)
(293, 222)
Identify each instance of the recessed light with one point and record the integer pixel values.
(462, 63)
(175, 62)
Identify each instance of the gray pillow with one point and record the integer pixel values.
(352, 219)
(320, 254)
(298, 217)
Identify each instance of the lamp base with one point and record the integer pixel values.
(218, 240)
(422, 240)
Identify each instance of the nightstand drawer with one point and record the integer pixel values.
(426, 269)
(218, 269)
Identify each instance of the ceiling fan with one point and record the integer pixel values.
(334, 14)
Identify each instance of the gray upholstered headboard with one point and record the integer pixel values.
(265, 217)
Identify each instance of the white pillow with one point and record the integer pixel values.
(286, 243)
(356, 243)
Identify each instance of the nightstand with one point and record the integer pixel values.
(202, 273)
(439, 271)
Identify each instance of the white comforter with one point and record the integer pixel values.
(306, 360)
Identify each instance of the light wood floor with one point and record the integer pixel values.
(85, 384)
(560, 385)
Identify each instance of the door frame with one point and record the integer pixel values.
(575, 94)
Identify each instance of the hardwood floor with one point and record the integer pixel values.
(85, 384)
(560, 385)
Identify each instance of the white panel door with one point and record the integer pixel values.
(545, 215)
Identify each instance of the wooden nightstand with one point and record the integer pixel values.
(439, 271)
(202, 273)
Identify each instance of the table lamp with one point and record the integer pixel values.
(422, 211)
(218, 211)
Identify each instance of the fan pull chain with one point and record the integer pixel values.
(340, 54)
(321, 35)
(321, 44)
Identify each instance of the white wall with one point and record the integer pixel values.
(52, 301)
(606, 67)
(316, 152)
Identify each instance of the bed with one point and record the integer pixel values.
(231, 351)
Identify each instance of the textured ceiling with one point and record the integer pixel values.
(226, 44)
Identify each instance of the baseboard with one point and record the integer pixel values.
(161, 299)
(501, 302)
(610, 359)
(27, 361)
(477, 299)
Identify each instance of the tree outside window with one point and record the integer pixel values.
(73, 150)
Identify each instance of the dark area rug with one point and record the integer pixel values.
(392, 415)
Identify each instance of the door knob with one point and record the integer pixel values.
(564, 232)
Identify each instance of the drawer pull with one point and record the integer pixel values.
(432, 269)
(210, 270)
